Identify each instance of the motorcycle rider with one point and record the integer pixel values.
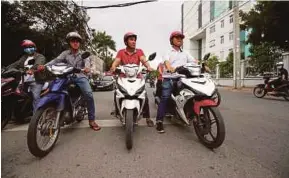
(132, 55)
(174, 58)
(30, 53)
(72, 56)
(160, 69)
(282, 77)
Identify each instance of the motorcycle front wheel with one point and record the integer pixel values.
(259, 92)
(41, 128)
(6, 115)
(203, 127)
(129, 120)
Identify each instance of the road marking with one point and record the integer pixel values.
(84, 124)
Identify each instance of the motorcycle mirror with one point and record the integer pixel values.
(152, 56)
(85, 55)
(31, 62)
(206, 57)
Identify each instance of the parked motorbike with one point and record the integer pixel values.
(192, 101)
(62, 105)
(16, 97)
(130, 97)
(265, 89)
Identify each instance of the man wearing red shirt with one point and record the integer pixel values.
(131, 55)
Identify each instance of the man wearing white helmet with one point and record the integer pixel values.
(72, 56)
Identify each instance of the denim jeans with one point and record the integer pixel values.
(86, 90)
(35, 88)
(167, 87)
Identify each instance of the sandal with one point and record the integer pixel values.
(150, 123)
(94, 126)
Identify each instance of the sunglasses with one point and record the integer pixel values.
(74, 41)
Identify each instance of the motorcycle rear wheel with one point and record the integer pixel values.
(203, 127)
(35, 126)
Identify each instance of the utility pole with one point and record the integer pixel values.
(237, 54)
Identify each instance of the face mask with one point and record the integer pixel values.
(29, 50)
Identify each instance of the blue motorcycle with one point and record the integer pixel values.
(62, 105)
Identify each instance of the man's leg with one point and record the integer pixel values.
(166, 93)
(35, 90)
(86, 90)
(146, 112)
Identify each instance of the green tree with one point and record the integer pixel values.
(226, 67)
(264, 56)
(212, 63)
(104, 43)
(269, 23)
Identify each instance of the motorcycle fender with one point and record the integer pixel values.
(261, 85)
(58, 98)
(130, 104)
(203, 103)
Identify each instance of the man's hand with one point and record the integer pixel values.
(150, 69)
(30, 72)
(41, 68)
(86, 70)
(112, 69)
(171, 69)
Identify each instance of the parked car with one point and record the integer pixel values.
(104, 83)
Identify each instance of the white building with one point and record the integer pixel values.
(208, 26)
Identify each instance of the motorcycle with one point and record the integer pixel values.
(16, 97)
(130, 96)
(266, 89)
(62, 105)
(191, 101)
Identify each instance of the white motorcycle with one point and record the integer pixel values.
(192, 101)
(130, 96)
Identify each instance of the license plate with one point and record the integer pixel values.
(99, 86)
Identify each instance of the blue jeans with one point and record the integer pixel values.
(167, 87)
(86, 90)
(35, 88)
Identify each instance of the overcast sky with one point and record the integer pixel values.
(152, 22)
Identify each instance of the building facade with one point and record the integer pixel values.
(208, 26)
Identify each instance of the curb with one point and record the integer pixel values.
(244, 89)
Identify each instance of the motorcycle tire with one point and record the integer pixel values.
(129, 120)
(218, 141)
(6, 115)
(32, 133)
(218, 97)
(256, 94)
(287, 97)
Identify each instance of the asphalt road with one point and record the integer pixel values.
(256, 145)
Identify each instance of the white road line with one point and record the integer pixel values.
(84, 124)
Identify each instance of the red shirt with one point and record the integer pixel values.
(127, 58)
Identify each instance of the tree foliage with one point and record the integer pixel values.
(212, 63)
(264, 56)
(226, 67)
(104, 44)
(269, 23)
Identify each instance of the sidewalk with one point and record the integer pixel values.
(244, 89)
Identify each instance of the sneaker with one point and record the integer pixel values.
(160, 127)
(149, 122)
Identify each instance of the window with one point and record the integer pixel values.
(231, 19)
(231, 36)
(222, 55)
(222, 39)
(212, 29)
(222, 24)
(212, 43)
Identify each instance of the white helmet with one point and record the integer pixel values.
(71, 35)
(280, 64)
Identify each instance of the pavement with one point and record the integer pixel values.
(256, 145)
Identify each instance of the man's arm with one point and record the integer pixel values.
(191, 59)
(145, 62)
(167, 63)
(58, 59)
(115, 64)
(40, 60)
(16, 64)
